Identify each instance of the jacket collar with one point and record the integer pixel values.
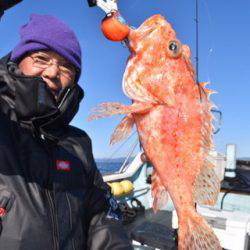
(29, 101)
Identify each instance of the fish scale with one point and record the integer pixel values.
(174, 123)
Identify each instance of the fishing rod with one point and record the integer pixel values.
(196, 19)
(214, 111)
(197, 40)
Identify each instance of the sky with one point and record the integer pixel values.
(224, 52)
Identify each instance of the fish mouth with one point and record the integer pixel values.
(151, 25)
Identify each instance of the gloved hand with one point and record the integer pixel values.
(92, 3)
(6, 4)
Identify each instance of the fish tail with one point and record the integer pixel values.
(195, 233)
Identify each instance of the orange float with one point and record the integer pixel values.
(115, 27)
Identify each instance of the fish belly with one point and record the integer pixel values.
(171, 140)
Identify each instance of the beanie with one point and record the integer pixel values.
(44, 32)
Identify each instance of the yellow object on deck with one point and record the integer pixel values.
(116, 189)
(127, 186)
(121, 188)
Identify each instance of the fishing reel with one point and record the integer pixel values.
(114, 26)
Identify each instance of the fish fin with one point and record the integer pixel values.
(195, 233)
(205, 93)
(123, 130)
(106, 109)
(207, 118)
(134, 88)
(136, 91)
(207, 185)
(159, 192)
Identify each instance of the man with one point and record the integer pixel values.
(51, 194)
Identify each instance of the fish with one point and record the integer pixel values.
(172, 113)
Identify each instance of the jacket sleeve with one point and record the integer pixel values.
(104, 217)
(6, 4)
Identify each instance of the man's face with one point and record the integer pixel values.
(56, 71)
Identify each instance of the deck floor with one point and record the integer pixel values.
(153, 230)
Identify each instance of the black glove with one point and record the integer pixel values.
(6, 4)
(91, 3)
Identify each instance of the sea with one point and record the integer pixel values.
(110, 166)
(113, 165)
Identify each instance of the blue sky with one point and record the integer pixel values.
(224, 58)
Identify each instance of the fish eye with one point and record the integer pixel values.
(175, 48)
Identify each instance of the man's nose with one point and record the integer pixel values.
(52, 71)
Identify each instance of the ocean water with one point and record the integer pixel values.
(108, 167)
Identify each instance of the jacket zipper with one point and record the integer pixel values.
(53, 220)
(70, 219)
(53, 217)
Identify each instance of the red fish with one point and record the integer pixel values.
(173, 118)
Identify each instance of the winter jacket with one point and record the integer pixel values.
(52, 195)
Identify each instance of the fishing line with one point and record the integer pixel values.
(197, 43)
(133, 4)
(208, 59)
(210, 25)
(114, 153)
(124, 165)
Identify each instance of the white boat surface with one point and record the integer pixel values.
(230, 218)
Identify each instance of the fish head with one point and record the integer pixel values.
(158, 63)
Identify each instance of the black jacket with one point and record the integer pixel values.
(51, 194)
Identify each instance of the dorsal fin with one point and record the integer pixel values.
(207, 117)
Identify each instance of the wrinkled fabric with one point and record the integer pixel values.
(46, 206)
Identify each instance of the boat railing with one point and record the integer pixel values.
(127, 172)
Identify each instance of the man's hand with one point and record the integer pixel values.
(6, 4)
(92, 3)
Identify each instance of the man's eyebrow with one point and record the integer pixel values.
(39, 54)
(62, 60)
(65, 62)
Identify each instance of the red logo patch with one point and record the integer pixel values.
(63, 165)
(2, 212)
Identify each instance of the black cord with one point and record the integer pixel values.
(224, 196)
(240, 181)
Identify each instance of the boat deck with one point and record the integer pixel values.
(153, 230)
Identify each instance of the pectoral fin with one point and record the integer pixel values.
(115, 108)
(159, 192)
(123, 130)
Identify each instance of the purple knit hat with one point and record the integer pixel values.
(44, 32)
